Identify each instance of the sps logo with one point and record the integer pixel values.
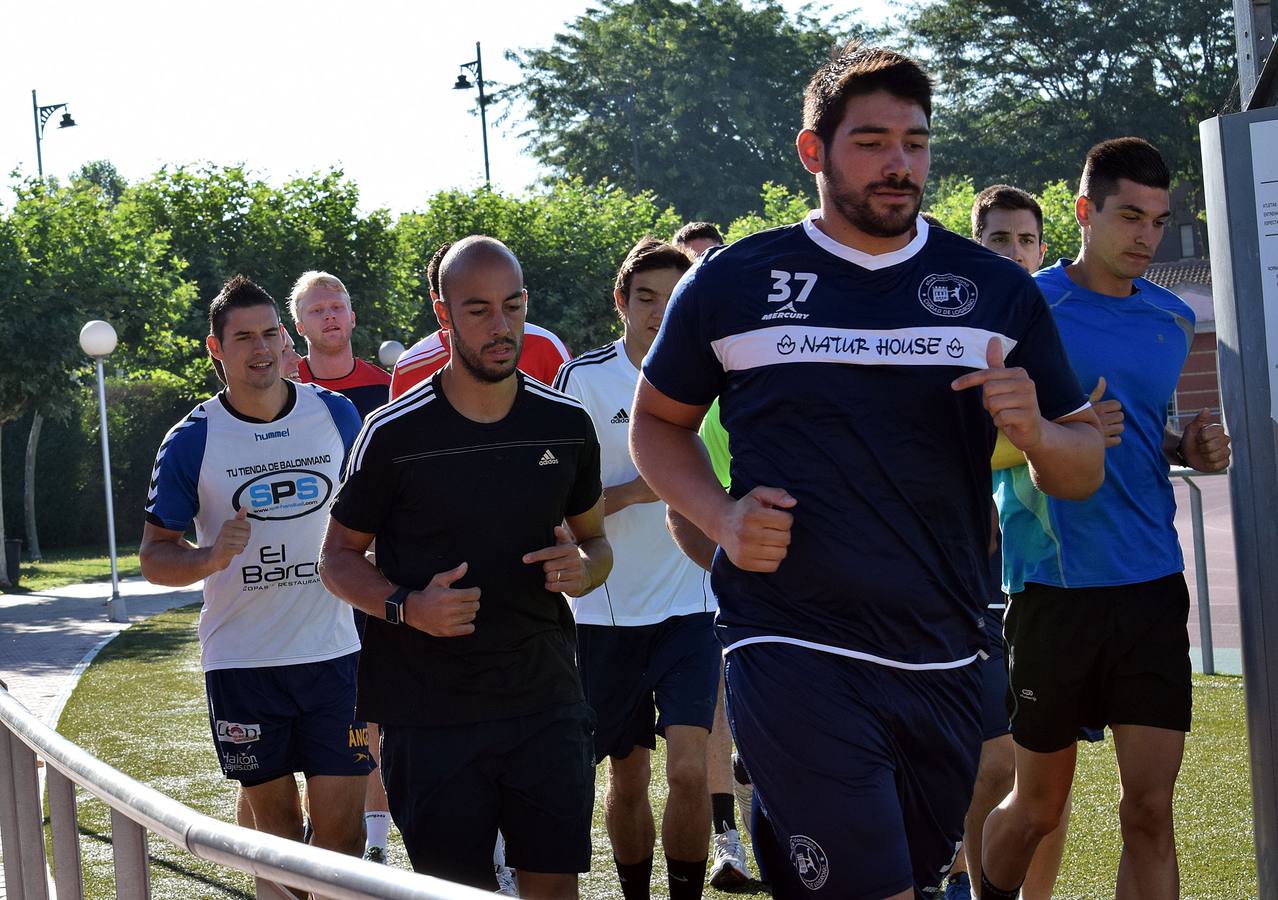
(287, 494)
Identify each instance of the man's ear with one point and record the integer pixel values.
(1083, 210)
(811, 150)
(214, 346)
(619, 300)
(440, 309)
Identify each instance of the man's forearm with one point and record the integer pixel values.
(176, 564)
(676, 466)
(691, 539)
(1069, 461)
(597, 555)
(349, 575)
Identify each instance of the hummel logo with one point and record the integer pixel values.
(548, 459)
(621, 418)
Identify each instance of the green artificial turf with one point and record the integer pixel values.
(140, 706)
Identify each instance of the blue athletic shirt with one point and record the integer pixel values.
(833, 369)
(1124, 533)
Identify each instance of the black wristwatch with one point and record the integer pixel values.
(395, 606)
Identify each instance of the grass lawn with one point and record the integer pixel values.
(141, 707)
(75, 566)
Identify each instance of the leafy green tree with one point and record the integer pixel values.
(781, 206)
(570, 239)
(80, 257)
(224, 220)
(1026, 88)
(698, 102)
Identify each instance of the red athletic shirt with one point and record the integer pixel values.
(365, 384)
(541, 357)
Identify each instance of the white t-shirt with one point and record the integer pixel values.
(268, 607)
(651, 579)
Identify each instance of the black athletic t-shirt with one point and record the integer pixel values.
(438, 489)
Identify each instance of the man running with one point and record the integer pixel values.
(853, 556)
(321, 309)
(645, 640)
(482, 490)
(1096, 625)
(255, 467)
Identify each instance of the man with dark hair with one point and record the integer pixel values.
(853, 560)
(254, 467)
(1009, 221)
(542, 355)
(467, 483)
(696, 238)
(1096, 624)
(645, 639)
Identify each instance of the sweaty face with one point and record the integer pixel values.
(875, 166)
(485, 309)
(1014, 233)
(1124, 233)
(250, 347)
(325, 318)
(642, 312)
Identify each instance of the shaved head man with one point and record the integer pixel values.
(467, 482)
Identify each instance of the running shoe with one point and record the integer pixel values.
(729, 867)
(958, 887)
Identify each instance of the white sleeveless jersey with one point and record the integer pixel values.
(268, 607)
(651, 579)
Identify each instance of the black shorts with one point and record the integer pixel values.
(276, 720)
(1091, 657)
(639, 679)
(452, 787)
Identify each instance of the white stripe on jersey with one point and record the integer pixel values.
(854, 654)
(414, 399)
(934, 345)
(194, 416)
(533, 386)
(594, 357)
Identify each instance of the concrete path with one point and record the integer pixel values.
(44, 638)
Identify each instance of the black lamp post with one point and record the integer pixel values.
(463, 84)
(42, 115)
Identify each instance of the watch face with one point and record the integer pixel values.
(394, 612)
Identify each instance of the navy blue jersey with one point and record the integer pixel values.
(833, 371)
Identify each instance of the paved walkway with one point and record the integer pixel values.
(44, 637)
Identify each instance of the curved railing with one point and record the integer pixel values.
(137, 809)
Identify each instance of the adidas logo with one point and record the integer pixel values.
(548, 459)
(621, 418)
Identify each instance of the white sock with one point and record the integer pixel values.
(376, 829)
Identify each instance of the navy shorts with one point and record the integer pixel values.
(639, 679)
(276, 720)
(863, 771)
(452, 787)
(1091, 657)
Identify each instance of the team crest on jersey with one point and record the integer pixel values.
(947, 295)
(809, 861)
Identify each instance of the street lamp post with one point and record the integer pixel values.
(97, 339)
(463, 84)
(42, 115)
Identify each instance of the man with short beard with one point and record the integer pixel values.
(483, 492)
(852, 570)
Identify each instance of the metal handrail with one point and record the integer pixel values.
(137, 809)
(1188, 475)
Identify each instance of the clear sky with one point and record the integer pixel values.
(283, 86)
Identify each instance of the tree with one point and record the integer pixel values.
(225, 220)
(569, 239)
(781, 206)
(1025, 88)
(698, 102)
(80, 257)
